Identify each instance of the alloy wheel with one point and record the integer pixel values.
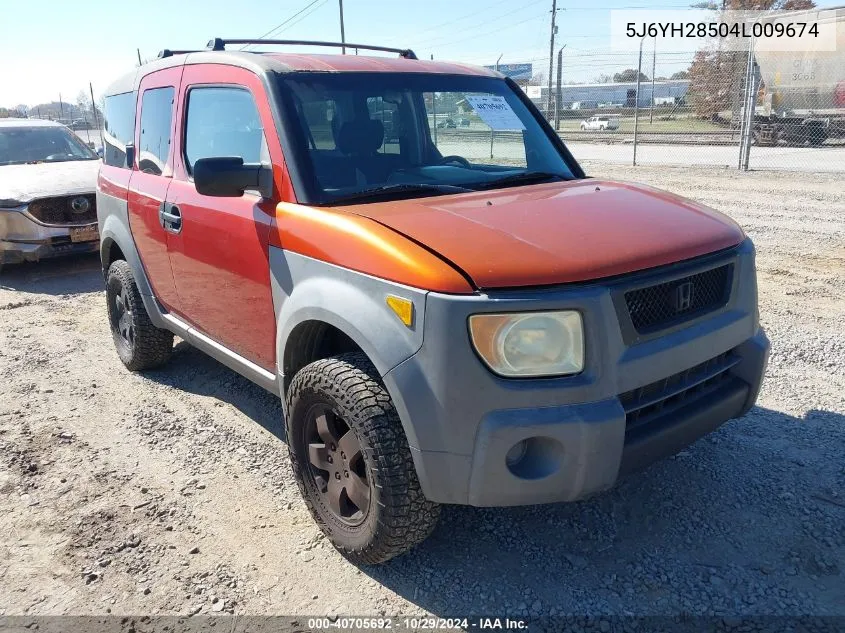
(337, 465)
(123, 321)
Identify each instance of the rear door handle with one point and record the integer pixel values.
(170, 217)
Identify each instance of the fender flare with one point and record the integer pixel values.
(115, 230)
(359, 312)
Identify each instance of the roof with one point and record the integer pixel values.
(260, 62)
(295, 62)
(28, 123)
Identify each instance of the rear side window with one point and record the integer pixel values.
(156, 125)
(119, 127)
(223, 122)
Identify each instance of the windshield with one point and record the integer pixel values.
(21, 145)
(404, 134)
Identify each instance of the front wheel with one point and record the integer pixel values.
(352, 462)
(140, 345)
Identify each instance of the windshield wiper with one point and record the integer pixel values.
(387, 191)
(524, 178)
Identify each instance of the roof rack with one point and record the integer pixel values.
(219, 44)
(170, 53)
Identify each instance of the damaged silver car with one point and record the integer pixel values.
(47, 181)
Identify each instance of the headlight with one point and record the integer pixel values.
(531, 343)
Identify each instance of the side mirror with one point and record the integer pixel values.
(130, 156)
(229, 176)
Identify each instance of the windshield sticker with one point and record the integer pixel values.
(495, 112)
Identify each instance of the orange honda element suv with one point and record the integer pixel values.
(450, 314)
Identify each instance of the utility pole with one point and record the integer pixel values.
(61, 107)
(140, 63)
(492, 131)
(434, 109)
(342, 33)
(637, 100)
(551, 60)
(94, 110)
(653, 70)
(559, 93)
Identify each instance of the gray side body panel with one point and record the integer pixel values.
(306, 289)
(113, 220)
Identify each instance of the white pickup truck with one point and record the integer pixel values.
(600, 123)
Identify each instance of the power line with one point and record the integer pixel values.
(648, 6)
(475, 27)
(281, 24)
(473, 37)
(643, 7)
(311, 12)
(473, 14)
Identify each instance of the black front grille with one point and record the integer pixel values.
(65, 210)
(651, 403)
(659, 306)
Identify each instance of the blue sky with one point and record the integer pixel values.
(55, 46)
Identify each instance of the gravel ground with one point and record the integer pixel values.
(159, 493)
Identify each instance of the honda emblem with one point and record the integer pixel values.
(683, 296)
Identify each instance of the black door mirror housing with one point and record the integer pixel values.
(229, 177)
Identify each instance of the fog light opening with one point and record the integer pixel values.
(534, 457)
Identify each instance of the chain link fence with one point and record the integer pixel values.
(797, 120)
(758, 110)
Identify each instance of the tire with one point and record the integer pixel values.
(140, 345)
(341, 398)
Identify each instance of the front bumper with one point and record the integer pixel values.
(24, 239)
(580, 432)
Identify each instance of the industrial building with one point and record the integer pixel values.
(619, 95)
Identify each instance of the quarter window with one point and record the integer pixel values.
(223, 122)
(156, 124)
(119, 128)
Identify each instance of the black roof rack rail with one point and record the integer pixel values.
(219, 44)
(170, 53)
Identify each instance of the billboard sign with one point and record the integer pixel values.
(535, 92)
(514, 71)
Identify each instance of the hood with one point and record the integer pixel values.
(41, 180)
(558, 232)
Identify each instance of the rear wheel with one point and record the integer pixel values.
(140, 345)
(352, 461)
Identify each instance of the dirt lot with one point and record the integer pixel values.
(169, 492)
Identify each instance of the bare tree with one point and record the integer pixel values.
(537, 79)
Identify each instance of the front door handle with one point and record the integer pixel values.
(170, 217)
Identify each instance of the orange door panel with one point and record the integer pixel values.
(220, 256)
